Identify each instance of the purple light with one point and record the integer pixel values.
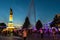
(34, 28)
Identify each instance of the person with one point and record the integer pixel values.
(24, 34)
(48, 33)
(54, 33)
(41, 32)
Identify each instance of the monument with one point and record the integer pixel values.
(10, 24)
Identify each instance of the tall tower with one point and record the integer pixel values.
(10, 24)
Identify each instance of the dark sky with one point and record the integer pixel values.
(45, 10)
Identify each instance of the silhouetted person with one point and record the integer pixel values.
(48, 32)
(54, 33)
(41, 32)
(24, 34)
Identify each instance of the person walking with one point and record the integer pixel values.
(54, 33)
(24, 34)
(41, 32)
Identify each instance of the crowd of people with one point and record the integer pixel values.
(24, 33)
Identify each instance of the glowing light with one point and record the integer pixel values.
(10, 27)
(59, 29)
(10, 24)
(10, 18)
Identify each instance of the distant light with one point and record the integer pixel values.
(53, 27)
(59, 29)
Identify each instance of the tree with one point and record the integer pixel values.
(52, 24)
(38, 25)
(2, 26)
(26, 23)
(56, 21)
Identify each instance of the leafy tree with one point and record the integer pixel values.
(38, 25)
(55, 22)
(26, 23)
(2, 26)
(52, 24)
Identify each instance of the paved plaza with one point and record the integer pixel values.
(34, 36)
